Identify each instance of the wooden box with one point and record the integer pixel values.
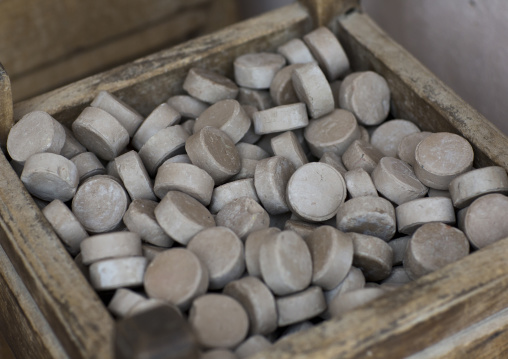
(456, 312)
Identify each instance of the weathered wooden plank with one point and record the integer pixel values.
(6, 110)
(72, 309)
(406, 321)
(323, 11)
(485, 340)
(147, 82)
(23, 325)
(417, 95)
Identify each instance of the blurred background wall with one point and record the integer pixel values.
(464, 42)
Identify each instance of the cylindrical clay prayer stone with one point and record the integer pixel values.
(182, 216)
(256, 70)
(353, 299)
(49, 176)
(281, 88)
(222, 252)
(134, 176)
(287, 145)
(359, 183)
(100, 133)
(110, 245)
(280, 118)
(100, 203)
(315, 191)
(433, 246)
(36, 132)
(177, 276)
(354, 280)
(161, 117)
(373, 256)
(243, 216)
(300, 306)
(389, 134)
(413, 214)
(230, 191)
(407, 146)
(258, 301)
(260, 99)
(367, 95)
(117, 272)
(88, 165)
(361, 154)
(296, 52)
(212, 150)
(251, 346)
(253, 245)
(187, 106)
(71, 147)
(218, 321)
(209, 86)
(226, 115)
(441, 157)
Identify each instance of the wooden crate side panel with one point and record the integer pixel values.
(417, 95)
(73, 310)
(6, 111)
(147, 82)
(406, 321)
(28, 333)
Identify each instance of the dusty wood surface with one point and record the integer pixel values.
(5, 106)
(485, 340)
(52, 43)
(72, 309)
(147, 82)
(417, 95)
(323, 11)
(406, 321)
(23, 325)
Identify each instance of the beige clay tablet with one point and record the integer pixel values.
(399, 246)
(183, 158)
(226, 115)
(243, 216)
(286, 145)
(441, 157)
(270, 179)
(251, 346)
(346, 302)
(315, 191)
(469, 186)
(361, 154)
(258, 301)
(303, 229)
(110, 245)
(253, 245)
(354, 280)
(250, 151)
(407, 146)
(218, 354)
(328, 51)
(123, 300)
(411, 215)
(313, 89)
(335, 161)
(433, 246)
(485, 220)
(286, 263)
(185, 178)
(367, 95)
(280, 118)
(100, 203)
(140, 218)
(66, 225)
(100, 133)
(161, 117)
(71, 147)
(296, 52)
(247, 171)
(182, 217)
(218, 321)
(256, 70)
(166, 143)
(230, 191)
(332, 256)
(282, 91)
(373, 256)
(151, 303)
(212, 150)
(129, 118)
(117, 273)
(88, 165)
(221, 252)
(188, 126)
(332, 133)
(300, 306)
(359, 183)
(187, 106)
(260, 99)
(49, 176)
(398, 276)
(395, 180)
(36, 132)
(134, 176)
(150, 251)
(387, 137)
(209, 86)
(374, 216)
(438, 193)
(177, 276)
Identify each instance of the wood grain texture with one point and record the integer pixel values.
(72, 309)
(6, 110)
(323, 11)
(149, 81)
(406, 321)
(23, 325)
(417, 95)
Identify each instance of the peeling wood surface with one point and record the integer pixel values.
(417, 95)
